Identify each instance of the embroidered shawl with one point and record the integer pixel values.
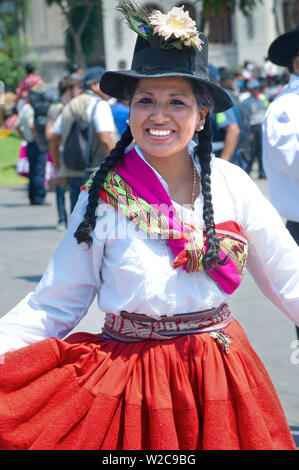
(134, 189)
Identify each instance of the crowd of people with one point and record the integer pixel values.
(237, 132)
(44, 116)
(172, 369)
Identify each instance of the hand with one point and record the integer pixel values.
(226, 157)
(55, 179)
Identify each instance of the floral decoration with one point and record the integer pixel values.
(175, 29)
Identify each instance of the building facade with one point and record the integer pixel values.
(233, 38)
(45, 30)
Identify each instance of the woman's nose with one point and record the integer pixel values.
(159, 114)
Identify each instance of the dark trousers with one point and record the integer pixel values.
(37, 168)
(293, 228)
(74, 184)
(60, 202)
(256, 149)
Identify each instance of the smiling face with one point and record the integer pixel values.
(164, 116)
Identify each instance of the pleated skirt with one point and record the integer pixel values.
(90, 393)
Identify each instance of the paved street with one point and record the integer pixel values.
(28, 238)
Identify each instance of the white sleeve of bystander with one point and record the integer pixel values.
(281, 135)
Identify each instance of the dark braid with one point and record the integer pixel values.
(83, 231)
(203, 155)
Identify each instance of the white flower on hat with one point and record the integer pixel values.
(172, 30)
(176, 22)
(194, 41)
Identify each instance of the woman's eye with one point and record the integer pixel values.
(177, 102)
(145, 100)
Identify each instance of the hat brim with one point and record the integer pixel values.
(282, 49)
(114, 83)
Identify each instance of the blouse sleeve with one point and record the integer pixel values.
(64, 294)
(273, 255)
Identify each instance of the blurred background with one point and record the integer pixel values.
(64, 37)
(58, 34)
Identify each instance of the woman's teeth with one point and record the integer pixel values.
(159, 133)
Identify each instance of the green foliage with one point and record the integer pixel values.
(83, 19)
(13, 15)
(13, 48)
(12, 56)
(10, 148)
(90, 34)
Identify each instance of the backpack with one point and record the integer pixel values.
(76, 150)
(244, 143)
(41, 98)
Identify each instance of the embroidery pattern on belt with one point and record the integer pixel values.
(132, 327)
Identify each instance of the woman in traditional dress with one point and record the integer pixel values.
(161, 233)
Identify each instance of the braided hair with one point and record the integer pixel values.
(202, 154)
(83, 231)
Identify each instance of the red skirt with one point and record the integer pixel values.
(88, 393)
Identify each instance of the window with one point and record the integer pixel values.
(219, 26)
(290, 14)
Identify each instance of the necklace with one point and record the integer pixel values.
(193, 186)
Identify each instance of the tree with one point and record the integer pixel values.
(11, 61)
(15, 13)
(78, 15)
(14, 46)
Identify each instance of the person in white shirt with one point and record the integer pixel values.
(281, 135)
(92, 107)
(160, 234)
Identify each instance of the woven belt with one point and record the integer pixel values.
(133, 327)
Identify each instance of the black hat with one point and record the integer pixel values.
(154, 59)
(284, 47)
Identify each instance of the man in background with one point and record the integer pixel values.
(69, 88)
(281, 135)
(31, 80)
(228, 127)
(36, 159)
(256, 109)
(91, 106)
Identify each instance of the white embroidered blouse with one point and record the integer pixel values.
(128, 271)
